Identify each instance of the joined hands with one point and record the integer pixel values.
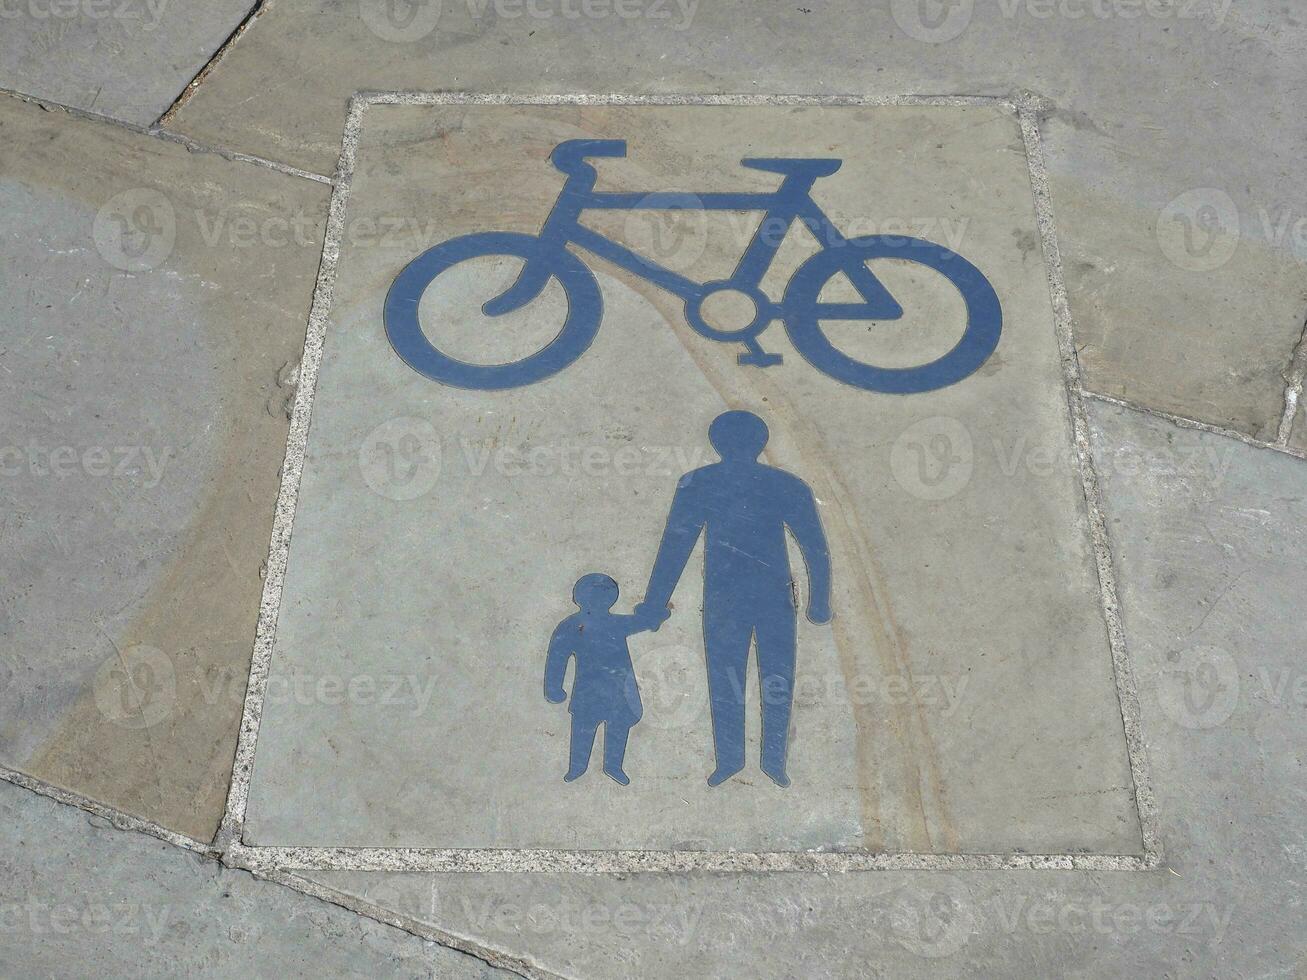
(652, 615)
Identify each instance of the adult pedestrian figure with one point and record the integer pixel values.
(742, 507)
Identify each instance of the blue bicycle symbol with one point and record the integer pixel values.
(546, 255)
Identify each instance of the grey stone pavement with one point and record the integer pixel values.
(81, 899)
(166, 175)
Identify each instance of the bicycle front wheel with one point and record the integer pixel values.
(404, 329)
(804, 314)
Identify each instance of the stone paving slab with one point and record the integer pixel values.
(1178, 315)
(149, 334)
(128, 59)
(963, 700)
(81, 899)
(1209, 541)
(1180, 212)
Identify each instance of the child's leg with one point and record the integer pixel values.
(615, 750)
(583, 740)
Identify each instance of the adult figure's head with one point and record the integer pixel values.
(738, 436)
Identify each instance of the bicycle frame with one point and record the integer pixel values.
(781, 208)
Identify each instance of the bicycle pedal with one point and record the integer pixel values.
(759, 358)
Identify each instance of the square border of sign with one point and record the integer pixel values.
(278, 860)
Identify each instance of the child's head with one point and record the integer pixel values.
(595, 591)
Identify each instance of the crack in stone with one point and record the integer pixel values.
(1293, 382)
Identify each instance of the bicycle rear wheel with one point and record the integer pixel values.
(404, 329)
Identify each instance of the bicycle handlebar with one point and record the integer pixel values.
(569, 156)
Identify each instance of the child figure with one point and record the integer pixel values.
(604, 687)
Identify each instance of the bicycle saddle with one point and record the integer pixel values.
(569, 156)
(813, 167)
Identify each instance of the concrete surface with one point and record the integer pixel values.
(1174, 133)
(153, 315)
(960, 579)
(81, 899)
(152, 310)
(90, 54)
(1209, 538)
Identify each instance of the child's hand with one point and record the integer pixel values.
(555, 695)
(819, 610)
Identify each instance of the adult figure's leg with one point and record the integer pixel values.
(726, 636)
(776, 632)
